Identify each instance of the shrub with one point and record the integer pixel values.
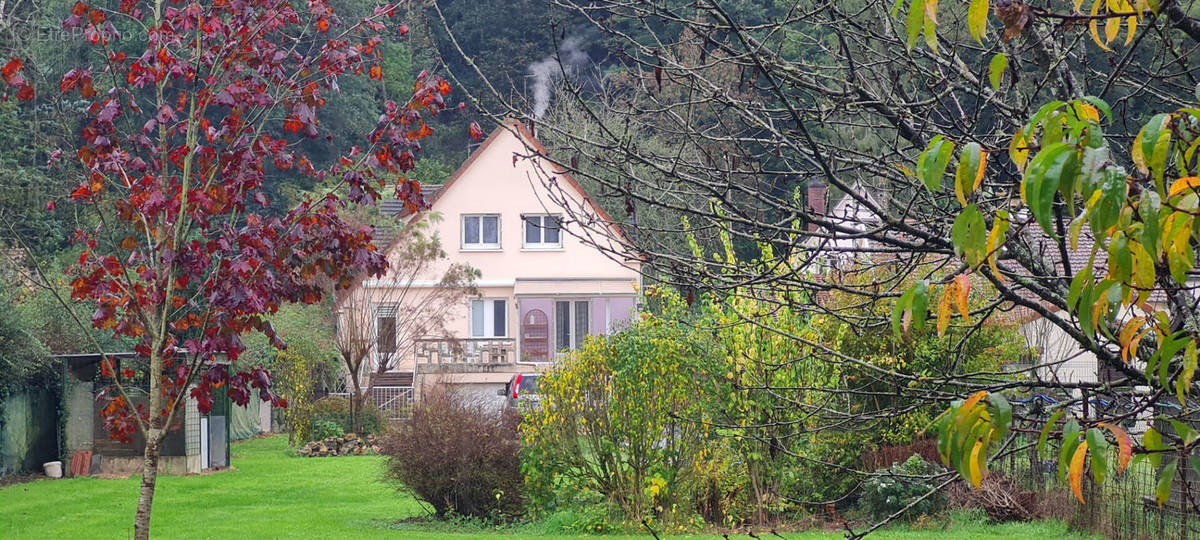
(890, 490)
(623, 418)
(324, 429)
(458, 456)
(336, 409)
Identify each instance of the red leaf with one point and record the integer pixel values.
(475, 132)
(323, 25)
(11, 68)
(403, 29)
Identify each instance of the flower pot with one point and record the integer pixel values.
(53, 469)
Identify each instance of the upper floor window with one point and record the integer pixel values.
(542, 231)
(481, 231)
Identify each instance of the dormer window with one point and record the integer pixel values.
(481, 232)
(542, 231)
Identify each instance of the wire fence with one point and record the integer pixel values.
(1124, 506)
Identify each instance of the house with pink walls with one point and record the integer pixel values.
(552, 270)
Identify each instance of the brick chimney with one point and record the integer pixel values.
(818, 194)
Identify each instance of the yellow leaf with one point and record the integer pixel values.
(1112, 28)
(1078, 6)
(977, 19)
(943, 314)
(930, 27)
(994, 239)
(1137, 340)
(1139, 157)
(982, 169)
(1094, 27)
(1124, 445)
(976, 469)
(962, 288)
(1183, 184)
(1132, 23)
(931, 7)
(1018, 151)
(1075, 473)
(1184, 383)
(973, 400)
(1127, 333)
(1089, 112)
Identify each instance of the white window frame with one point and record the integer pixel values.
(384, 311)
(481, 245)
(540, 246)
(571, 319)
(489, 318)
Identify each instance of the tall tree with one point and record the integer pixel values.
(188, 107)
(379, 321)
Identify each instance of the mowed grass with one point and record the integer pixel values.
(273, 494)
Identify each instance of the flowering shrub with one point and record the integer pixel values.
(622, 421)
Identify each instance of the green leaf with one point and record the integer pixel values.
(1184, 431)
(1098, 446)
(931, 164)
(1081, 280)
(1041, 444)
(996, 70)
(969, 234)
(970, 158)
(1042, 179)
(1165, 479)
(977, 19)
(1155, 146)
(915, 22)
(1112, 198)
(1149, 208)
(1001, 415)
(920, 304)
(1070, 441)
(1152, 440)
(1120, 259)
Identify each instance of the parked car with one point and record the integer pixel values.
(522, 388)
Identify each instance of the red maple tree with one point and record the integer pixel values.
(178, 144)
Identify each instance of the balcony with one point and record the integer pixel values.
(464, 355)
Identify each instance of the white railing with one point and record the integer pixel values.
(395, 401)
(465, 351)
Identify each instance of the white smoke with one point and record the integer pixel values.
(546, 71)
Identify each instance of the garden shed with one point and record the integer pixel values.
(195, 442)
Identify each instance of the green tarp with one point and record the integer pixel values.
(244, 422)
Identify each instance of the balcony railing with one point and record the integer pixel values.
(469, 351)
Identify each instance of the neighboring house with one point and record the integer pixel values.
(519, 220)
(1060, 356)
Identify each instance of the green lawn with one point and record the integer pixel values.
(274, 495)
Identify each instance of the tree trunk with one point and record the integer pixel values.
(141, 524)
(355, 404)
